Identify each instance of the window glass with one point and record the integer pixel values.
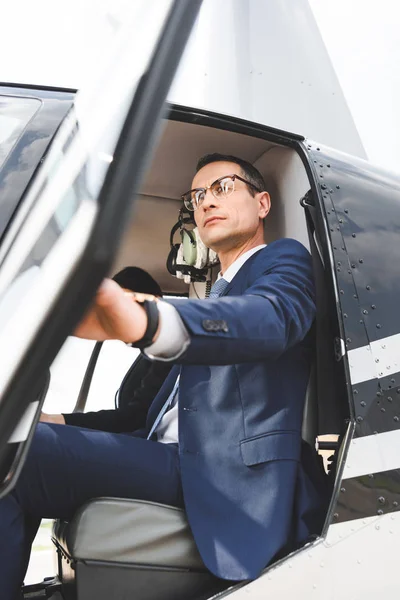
(52, 227)
(15, 114)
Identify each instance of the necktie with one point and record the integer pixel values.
(217, 290)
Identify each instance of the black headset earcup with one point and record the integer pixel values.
(171, 259)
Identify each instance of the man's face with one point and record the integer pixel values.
(226, 223)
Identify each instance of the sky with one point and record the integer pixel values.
(55, 44)
(362, 38)
(57, 47)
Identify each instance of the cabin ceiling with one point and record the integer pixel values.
(180, 147)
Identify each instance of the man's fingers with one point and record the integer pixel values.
(108, 291)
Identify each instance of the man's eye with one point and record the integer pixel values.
(198, 195)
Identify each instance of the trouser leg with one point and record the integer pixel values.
(68, 466)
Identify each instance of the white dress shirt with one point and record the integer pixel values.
(173, 340)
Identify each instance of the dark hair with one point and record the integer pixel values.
(248, 171)
(137, 280)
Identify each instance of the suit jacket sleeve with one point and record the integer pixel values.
(272, 310)
(119, 420)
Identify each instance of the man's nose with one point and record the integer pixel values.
(209, 201)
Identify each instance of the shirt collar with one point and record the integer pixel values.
(238, 263)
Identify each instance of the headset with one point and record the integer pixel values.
(190, 259)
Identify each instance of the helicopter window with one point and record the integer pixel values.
(15, 114)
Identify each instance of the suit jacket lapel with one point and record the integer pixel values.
(162, 396)
(236, 285)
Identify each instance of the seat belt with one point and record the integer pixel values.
(87, 379)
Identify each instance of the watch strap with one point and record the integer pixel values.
(150, 306)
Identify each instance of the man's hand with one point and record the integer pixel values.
(114, 316)
(59, 419)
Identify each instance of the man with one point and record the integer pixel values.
(243, 363)
(140, 384)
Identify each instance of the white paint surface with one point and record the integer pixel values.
(357, 561)
(373, 454)
(380, 359)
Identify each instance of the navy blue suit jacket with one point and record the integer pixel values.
(247, 489)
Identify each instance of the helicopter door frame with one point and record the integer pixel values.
(62, 286)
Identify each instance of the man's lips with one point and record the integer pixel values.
(212, 220)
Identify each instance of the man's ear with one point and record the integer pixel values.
(265, 204)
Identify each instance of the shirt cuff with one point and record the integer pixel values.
(173, 338)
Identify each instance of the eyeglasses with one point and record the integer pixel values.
(220, 188)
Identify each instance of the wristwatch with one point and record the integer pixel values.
(149, 304)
